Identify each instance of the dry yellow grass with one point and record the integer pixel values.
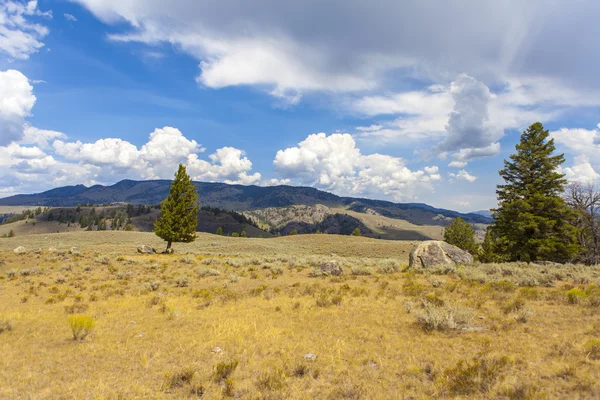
(159, 320)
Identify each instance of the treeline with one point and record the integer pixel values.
(240, 218)
(25, 215)
(540, 216)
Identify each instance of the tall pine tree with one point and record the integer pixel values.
(461, 235)
(532, 220)
(179, 211)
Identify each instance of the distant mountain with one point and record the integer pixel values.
(238, 198)
(485, 213)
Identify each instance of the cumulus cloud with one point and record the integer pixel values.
(334, 162)
(469, 128)
(40, 137)
(581, 171)
(16, 102)
(463, 176)
(584, 147)
(19, 37)
(457, 164)
(226, 164)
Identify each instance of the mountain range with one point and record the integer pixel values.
(239, 198)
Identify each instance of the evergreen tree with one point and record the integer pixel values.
(220, 231)
(532, 220)
(356, 232)
(179, 211)
(488, 254)
(461, 234)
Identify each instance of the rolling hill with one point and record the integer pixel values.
(239, 198)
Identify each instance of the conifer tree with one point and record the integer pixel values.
(532, 220)
(179, 211)
(461, 235)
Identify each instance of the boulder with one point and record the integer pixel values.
(20, 250)
(144, 249)
(332, 268)
(434, 252)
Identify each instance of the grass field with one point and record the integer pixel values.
(242, 318)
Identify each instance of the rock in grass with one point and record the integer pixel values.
(332, 268)
(145, 249)
(74, 251)
(434, 252)
(310, 357)
(20, 250)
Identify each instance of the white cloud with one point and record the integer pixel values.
(19, 37)
(457, 164)
(70, 17)
(582, 172)
(334, 162)
(226, 164)
(16, 102)
(463, 175)
(40, 137)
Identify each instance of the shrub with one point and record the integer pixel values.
(478, 376)
(204, 272)
(592, 348)
(233, 278)
(514, 305)
(223, 370)
(81, 326)
(188, 260)
(182, 281)
(576, 295)
(5, 325)
(271, 381)
(178, 379)
(317, 272)
(361, 271)
(447, 317)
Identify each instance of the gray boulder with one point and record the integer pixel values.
(434, 252)
(144, 249)
(332, 268)
(20, 250)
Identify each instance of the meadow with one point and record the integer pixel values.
(257, 319)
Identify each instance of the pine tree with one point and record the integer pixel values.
(220, 231)
(532, 220)
(488, 254)
(356, 232)
(461, 235)
(179, 211)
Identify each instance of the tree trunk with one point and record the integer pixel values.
(169, 243)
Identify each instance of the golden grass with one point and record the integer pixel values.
(157, 338)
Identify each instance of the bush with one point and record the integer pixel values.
(223, 370)
(204, 272)
(271, 381)
(81, 326)
(361, 271)
(478, 376)
(5, 325)
(181, 281)
(592, 348)
(178, 379)
(576, 296)
(442, 318)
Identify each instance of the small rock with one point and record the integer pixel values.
(139, 335)
(145, 249)
(20, 250)
(51, 250)
(38, 251)
(217, 350)
(169, 251)
(481, 317)
(74, 251)
(332, 268)
(310, 357)
(372, 364)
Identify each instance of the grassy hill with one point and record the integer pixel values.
(237, 197)
(253, 319)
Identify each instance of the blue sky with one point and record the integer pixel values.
(406, 102)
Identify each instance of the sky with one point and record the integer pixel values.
(386, 99)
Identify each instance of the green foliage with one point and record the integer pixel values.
(461, 235)
(179, 211)
(487, 253)
(356, 232)
(223, 370)
(81, 326)
(293, 232)
(532, 220)
(220, 231)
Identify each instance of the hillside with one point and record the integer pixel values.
(238, 198)
(141, 218)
